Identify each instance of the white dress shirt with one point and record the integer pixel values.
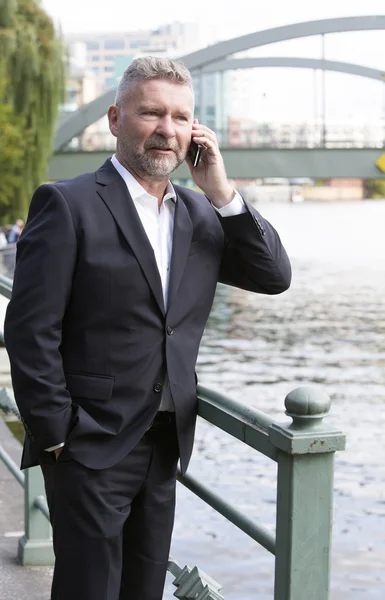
(158, 223)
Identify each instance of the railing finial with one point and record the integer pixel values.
(307, 406)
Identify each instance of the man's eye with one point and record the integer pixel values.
(151, 113)
(182, 118)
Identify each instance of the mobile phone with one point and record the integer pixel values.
(194, 152)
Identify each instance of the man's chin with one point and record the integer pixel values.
(162, 169)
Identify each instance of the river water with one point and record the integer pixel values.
(328, 330)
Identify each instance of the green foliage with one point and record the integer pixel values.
(31, 88)
(14, 140)
(375, 188)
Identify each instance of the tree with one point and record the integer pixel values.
(13, 146)
(32, 75)
(375, 188)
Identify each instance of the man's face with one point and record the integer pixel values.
(153, 126)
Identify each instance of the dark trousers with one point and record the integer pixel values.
(112, 527)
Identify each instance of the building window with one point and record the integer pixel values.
(95, 58)
(114, 44)
(109, 69)
(115, 57)
(139, 43)
(210, 111)
(92, 45)
(71, 95)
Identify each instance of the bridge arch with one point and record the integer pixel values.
(214, 58)
(295, 63)
(200, 58)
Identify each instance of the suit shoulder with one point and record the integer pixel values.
(70, 190)
(76, 184)
(66, 186)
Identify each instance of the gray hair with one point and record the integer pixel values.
(153, 67)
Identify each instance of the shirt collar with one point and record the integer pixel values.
(135, 189)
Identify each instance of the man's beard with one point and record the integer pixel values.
(147, 162)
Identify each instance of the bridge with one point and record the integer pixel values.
(317, 151)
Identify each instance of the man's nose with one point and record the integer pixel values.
(166, 127)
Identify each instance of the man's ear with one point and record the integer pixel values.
(113, 117)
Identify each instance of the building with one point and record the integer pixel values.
(81, 88)
(213, 99)
(81, 85)
(108, 54)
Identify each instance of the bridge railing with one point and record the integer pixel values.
(304, 451)
(7, 260)
(266, 135)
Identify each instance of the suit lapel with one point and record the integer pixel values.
(183, 230)
(114, 193)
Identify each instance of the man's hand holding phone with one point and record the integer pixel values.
(195, 153)
(209, 172)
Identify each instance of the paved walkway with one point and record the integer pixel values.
(16, 582)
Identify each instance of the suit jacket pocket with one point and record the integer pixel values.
(95, 387)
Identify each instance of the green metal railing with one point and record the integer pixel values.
(304, 451)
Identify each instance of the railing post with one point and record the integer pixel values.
(304, 497)
(35, 547)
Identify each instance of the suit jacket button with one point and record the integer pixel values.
(157, 387)
(169, 330)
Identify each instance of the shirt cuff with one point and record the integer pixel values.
(52, 448)
(233, 208)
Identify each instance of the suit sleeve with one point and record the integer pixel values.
(45, 262)
(254, 258)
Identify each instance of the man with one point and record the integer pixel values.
(116, 274)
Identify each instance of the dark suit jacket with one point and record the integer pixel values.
(86, 331)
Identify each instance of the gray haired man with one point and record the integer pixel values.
(116, 274)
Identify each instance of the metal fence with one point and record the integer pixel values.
(304, 451)
(7, 260)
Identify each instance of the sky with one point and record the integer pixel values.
(222, 19)
(348, 98)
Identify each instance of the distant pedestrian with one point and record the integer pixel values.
(15, 232)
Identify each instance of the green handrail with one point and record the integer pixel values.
(12, 466)
(256, 532)
(5, 287)
(247, 424)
